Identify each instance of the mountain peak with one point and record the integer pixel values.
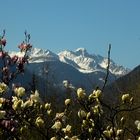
(81, 51)
(86, 63)
(40, 55)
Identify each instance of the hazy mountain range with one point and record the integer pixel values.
(79, 67)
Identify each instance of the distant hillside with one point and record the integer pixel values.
(130, 83)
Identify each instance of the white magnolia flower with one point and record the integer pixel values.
(81, 114)
(39, 121)
(57, 125)
(19, 91)
(125, 97)
(81, 93)
(35, 97)
(67, 102)
(47, 106)
(3, 87)
(67, 129)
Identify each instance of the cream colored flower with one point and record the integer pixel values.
(35, 97)
(74, 138)
(2, 114)
(39, 122)
(53, 138)
(90, 130)
(47, 106)
(81, 114)
(19, 91)
(17, 104)
(14, 98)
(97, 93)
(88, 115)
(59, 115)
(107, 133)
(3, 87)
(125, 97)
(81, 93)
(57, 125)
(27, 103)
(67, 102)
(119, 132)
(137, 122)
(49, 112)
(67, 129)
(2, 100)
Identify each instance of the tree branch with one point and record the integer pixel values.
(107, 70)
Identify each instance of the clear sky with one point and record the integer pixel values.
(69, 24)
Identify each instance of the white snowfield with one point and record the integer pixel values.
(80, 59)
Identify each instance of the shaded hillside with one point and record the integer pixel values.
(129, 83)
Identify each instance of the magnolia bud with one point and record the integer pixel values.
(67, 102)
(47, 106)
(39, 122)
(81, 114)
(81, 93)
(125, 97)
(57, 125)
(19, 91)
(119, 132)
(107, 133)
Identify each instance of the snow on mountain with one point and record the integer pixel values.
(78, 67)
(80, 59)
(86, 63)
(39, 55)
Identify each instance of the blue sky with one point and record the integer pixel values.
(69, 24)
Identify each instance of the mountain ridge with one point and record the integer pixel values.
(78, 67)
(79, 59)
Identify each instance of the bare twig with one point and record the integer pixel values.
(107, 70)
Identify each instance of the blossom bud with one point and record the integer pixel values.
(119, 132)
(57, 125)
(2, 100)
(19, 91)
(90, 130)
(17, 104)
(122, 120)
(39, 122)
(53, 138)
(88, 115)
(125, 97)
(67, 129)
(49, 112)
(47, 106)
(137, 122)
(97, 93)
(67, 102)
(107, 133)
(81, 93)
(75, 138)
(81, 114)
(35, 97)
(3, 87)
(28, 103)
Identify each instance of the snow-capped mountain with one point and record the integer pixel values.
(86, 63)
(79, 67)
